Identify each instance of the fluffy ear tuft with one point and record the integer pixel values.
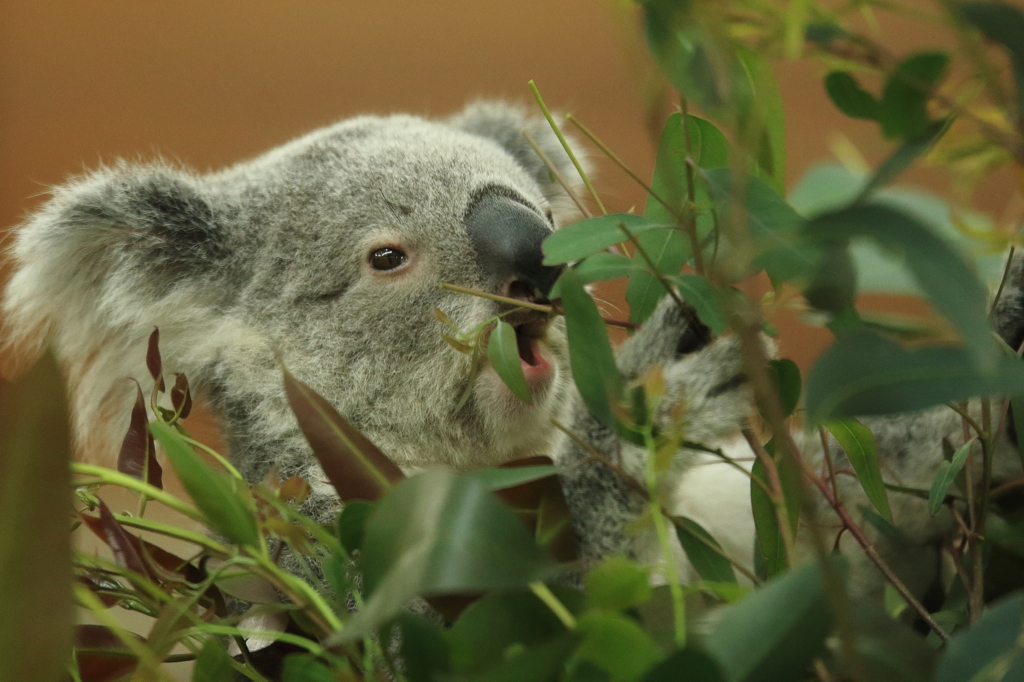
(108, 257)
(504, 123)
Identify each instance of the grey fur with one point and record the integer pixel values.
(270, 257)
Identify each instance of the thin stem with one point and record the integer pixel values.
(654, 268)
(557, 173)
(551, 310)
(618, 162)
(210, 451)
(565, 146)
(690, 225)
(545, 594)
(1003, 279)
(109, 476)
(199, 539)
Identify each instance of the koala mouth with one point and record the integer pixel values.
(530, 328)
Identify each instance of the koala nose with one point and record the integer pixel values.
(506, 236)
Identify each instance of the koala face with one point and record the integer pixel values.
(325, 254)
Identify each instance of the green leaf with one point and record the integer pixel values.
(903, 110)
(590, 351)
(424, 648)
(1003, 23)
(824, 33)
(499, 621)
(617, 644)
(773, 224)
(499, 479)
(587, 237)
(213, 664)
(942, 272)
(352, 524)
(600, 267)
(945, 476)
(776, 632)
(35, 553)
(541, 663)
(440, 533)
(1017, 407)
(305, 668)
(768, 109)
(787, 380)
(833, 287)
(617, 584)
(699, 667)
(859, 444)
(709, 564)
(701, 294)
(766, 522)
(851, 99)
(503, 353)
(211, 490)
(863, 373)
(356, 468)
(992, 640)
(889, 650)
(714, 148)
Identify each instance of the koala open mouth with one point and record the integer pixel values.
(530, 327)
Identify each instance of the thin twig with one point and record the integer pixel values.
(565, 145)
(551, 310)
(557, 173)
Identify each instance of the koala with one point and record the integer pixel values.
(326, 254)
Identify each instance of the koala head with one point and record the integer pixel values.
(325, 254)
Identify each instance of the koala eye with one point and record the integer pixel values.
(387, 258)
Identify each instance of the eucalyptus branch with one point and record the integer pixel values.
(566, 147)
(104, 476)
(654, 268)
(553, 169)
(551, 310)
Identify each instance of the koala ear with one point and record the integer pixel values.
(504, 123)
(110, 256)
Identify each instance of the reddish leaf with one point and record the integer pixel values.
(127, 554)
(295, 488)
(137, 448)
(181, 396)
(101, 655)
(354, 465)
(153, 361)
(157, 558)
(542, 507)
(101, 586)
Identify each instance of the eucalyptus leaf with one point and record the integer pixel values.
(903, 156)
(440, 533)
(503, 353)
(774, 634)
(946, 474)
(305, 668)
(213, 664)
(859, 445)
(771, 118)
(211, 490)
(766, 522)
(698, 543)
(787, 380)
(35, 553)
(587, 237)
(590, 351)
(943, 274)
(903, 110)
(617, 583)
(849, 97)
(995, 636)
(701, 294)
(863, 373)
(498, 479)
(617, 644)
(600, 267)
